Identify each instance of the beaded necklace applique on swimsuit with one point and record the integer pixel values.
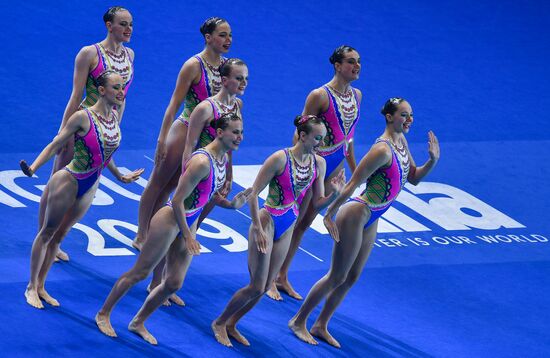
(206, 188)
(385, 184)
(122, 64)
(209, 85)
(287, 190)
(340, 119)
(93, 151)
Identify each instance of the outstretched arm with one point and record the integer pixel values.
(237, 202)
(416, 174)
(127, 178)
(77, 122)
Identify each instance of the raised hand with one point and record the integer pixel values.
(433, 146)
(132, 177)
(332, 228)
(241, 198)
(26, 168)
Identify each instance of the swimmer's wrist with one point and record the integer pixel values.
(118, 176)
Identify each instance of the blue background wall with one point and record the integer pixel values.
(475, 72)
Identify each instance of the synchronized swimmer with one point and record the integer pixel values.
(91, 61)
(70, 192)
(193, 159)
(337, 104)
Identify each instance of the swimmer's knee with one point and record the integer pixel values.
(173, 284)
(60, 234)
(46, 233)
(337, 279)
(257, 290)
(352, 278)
(137, 276)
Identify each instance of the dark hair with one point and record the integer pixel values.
(304, 123)
(223, 121)
(101, 80)
(111, 12)
(209, 25)
(390, 107)
(338, 54)
(225, 68)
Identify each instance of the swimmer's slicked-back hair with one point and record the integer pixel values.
(390, 107)
(339, 53)
(225, 68)
(111, 12)
(304, 123)
(223, 122)
(209, 25)
(101, 80)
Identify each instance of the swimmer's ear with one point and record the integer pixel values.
(302, 135)
(224, 80)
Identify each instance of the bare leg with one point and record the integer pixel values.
(350, 221)
(162, 173)
(163, 231)
(282, 282)
(63, 158)
(73, 215)
(158, 272)
(319, 328)
(177, 263)
(61, 255)
(278, 254)
(61, 196)
(258, 267)
(158, 276)
(160, 269)
(304, 222)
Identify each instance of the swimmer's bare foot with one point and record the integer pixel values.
(104, 324)
(285, 286)
(301, 332)
(33, 299)
(141, 331)
(177, 300)
(220, 333)
(273, 293)
(232, 331)
(46, 297)
(322, 333)
(62, 255)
